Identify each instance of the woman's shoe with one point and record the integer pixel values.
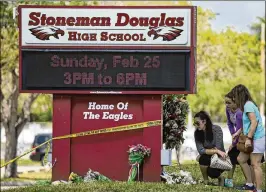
(255, 190)
(246, 187)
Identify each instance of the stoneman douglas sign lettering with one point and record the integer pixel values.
(100, 26)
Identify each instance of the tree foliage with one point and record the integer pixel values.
(224, 59)
(256, 27)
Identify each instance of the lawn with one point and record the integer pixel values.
(133, 187)
(31, 176)
(24, 162)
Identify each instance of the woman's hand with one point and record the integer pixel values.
(235, 136)
(230, 148)
(248, 143)
(222, 154)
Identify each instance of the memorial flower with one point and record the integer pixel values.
(89, 177)
(75, 178)
(137, 154)
(95, 176)
(183, 177)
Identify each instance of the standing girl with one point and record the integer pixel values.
(255, 132)
(235, 125)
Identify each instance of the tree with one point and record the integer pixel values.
(224, 59)
(256, 27)
(13, 122)
(175, 110)
(14, 117)
(42, 108)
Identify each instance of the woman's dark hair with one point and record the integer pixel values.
(199, 135)
(230, 95)
(241, 96)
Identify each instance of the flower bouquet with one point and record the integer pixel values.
(137, 153)
(95, 176)
(75, 178)
(183, 177)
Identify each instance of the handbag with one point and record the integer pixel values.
(220, 163)
(241, 143)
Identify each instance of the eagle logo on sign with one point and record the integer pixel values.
(45, 32)
(167, 33)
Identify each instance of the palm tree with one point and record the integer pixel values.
(256, 27)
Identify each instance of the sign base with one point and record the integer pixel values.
(105, 153)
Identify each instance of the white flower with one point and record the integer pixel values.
(183, 177)
(184, 173)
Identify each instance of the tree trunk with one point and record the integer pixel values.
(178, 150)
(12, 134)
(10, 127)
(11, 152)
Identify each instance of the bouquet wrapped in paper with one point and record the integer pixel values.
(137, 153)
(95, 176)
(183, 177)
(75, 178)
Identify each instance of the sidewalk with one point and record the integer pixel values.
(6, 188)
(15, 184)
(24, 169)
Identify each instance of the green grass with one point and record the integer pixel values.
(35, 176)
(190, 166)
(120, 187)
(24, 162)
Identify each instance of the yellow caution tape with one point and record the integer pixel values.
(91, 132)
(11, 161)
(45, 159)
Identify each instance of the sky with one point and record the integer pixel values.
(239, 14)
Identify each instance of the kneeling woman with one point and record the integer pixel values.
(209, 140)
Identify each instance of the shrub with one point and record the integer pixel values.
(175, 110)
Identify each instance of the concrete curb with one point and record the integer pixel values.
(22, 183)
(32, 171)
(3, 188)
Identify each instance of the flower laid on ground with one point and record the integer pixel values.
(183, 177)
(75, 178)
(95, 176)
(137, 153)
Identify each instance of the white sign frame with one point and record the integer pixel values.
(179, 34)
